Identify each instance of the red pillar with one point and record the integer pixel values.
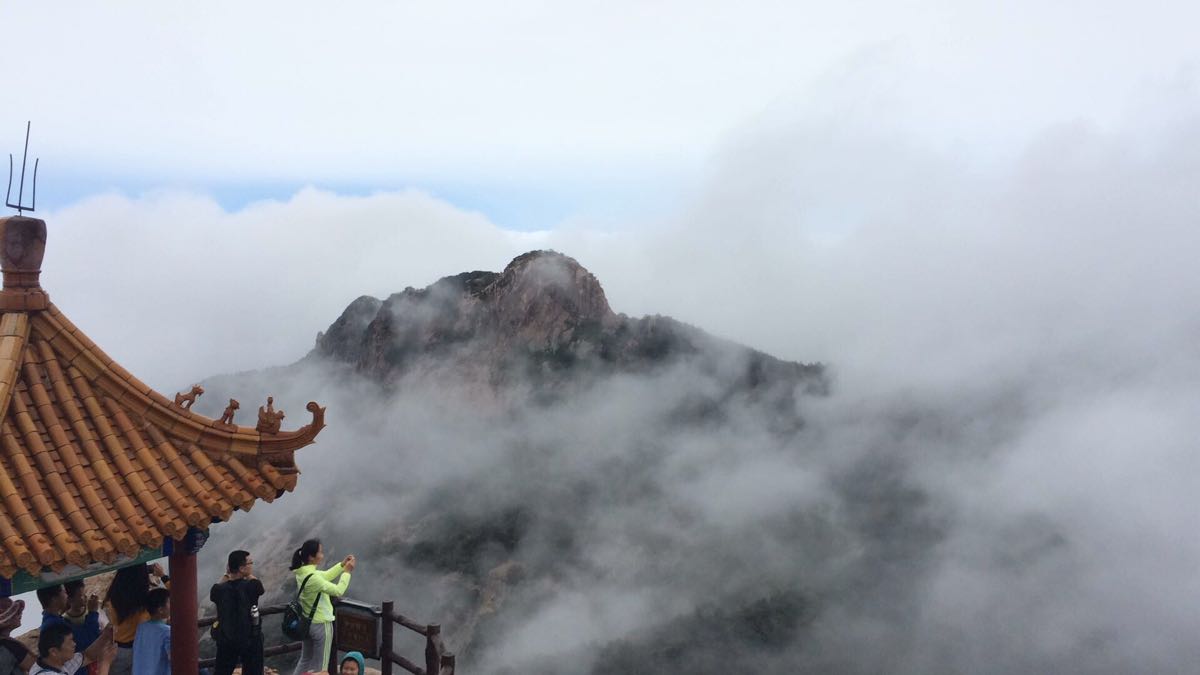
(185, 635)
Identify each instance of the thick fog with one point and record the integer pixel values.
(1001, 479)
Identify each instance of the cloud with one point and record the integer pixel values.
(997, 483)
(177, 288)
(531, 92)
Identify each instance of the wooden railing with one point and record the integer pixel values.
(274, 650)
(438, 661)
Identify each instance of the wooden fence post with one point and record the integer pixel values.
(333, 648)
(385, 639)
(447, 664)
(432, 657)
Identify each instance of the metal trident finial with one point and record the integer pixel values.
(20, 205)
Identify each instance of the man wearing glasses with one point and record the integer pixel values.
(238, 630)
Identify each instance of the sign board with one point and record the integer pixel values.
(357, 628)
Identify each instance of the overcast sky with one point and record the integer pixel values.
(239, 167)
(534, 112)
(946, 202)
(229, 157)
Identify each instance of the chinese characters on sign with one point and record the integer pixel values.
(358, 629)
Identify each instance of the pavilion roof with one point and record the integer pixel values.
(94, 465)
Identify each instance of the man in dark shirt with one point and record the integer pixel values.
(238, 630)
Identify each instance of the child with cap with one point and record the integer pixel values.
(353, 663)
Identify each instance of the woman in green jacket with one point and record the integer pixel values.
(320, 586)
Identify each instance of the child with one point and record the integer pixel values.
(56, 651)
(152, 645)
(353, 664)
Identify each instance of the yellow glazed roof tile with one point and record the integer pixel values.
(93, 463)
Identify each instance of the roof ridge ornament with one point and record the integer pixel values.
(20, 205)
(185, 401)
(269, 419)
(230, 411)
(22, 247)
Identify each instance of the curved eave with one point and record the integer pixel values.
(95, 465)
(287, 442)
(180, 424)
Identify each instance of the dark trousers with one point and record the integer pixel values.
(249, 654)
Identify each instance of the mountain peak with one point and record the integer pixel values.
(545, 316)
(542, 295)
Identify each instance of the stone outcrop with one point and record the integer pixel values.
(544, 318)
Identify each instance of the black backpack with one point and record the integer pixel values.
(295, 624)
(237, 611)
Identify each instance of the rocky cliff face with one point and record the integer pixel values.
(544, 318)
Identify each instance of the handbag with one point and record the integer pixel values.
(295, 624)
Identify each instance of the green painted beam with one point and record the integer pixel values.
(24, 582)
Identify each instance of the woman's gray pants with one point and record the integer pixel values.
(314, 649)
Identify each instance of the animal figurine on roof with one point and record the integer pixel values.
(227, 416)
(185, 401)
(269, 419)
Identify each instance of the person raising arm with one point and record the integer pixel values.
(57, 655)
(316, 589)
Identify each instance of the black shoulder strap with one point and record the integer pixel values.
(301, 589)
(315, 602)
(312, 612)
